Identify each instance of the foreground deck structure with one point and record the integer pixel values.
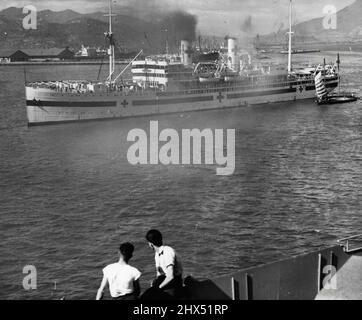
(334, 273)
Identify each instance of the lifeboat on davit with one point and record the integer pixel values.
(230, 76)
(208, 78)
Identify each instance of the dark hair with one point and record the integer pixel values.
(155, 237)
(126, 249)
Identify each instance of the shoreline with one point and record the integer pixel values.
(54, 63)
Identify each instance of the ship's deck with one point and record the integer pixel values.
(328, 274)
(348, 281)
(176, 88)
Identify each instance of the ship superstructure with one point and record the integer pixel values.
(169, 84)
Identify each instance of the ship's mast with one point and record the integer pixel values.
(111, 51)
(167, 46)
(290, 39)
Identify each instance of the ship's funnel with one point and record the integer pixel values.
(186, 57)
(233, 61)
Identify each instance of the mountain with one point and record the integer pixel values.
(58, 17)
(349, 27)
(348, 19)
(12, 13)
(71, 29)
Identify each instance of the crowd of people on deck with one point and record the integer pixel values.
(83, 87)
(79, 87)
(123, 279)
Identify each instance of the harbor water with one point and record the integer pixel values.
(69, 197)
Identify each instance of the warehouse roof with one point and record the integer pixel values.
(43, 52)
(6, 53)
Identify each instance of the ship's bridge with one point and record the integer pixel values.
(158, 71)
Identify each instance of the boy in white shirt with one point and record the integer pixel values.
(168, 266)
(122, 278)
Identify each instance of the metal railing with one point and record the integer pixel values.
(346, 243)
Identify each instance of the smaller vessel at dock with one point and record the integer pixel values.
(338, 98)
(300, 51)
(322, 96)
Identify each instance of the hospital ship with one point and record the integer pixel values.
(164, 84)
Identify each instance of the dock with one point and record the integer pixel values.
(57, 63)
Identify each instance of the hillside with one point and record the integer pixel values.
(69, 28)
(349, 28)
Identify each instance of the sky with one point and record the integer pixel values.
(215, 17)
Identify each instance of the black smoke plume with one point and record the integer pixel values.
(168, 23)
(179, 26)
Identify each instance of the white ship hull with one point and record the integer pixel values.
(46, 106)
